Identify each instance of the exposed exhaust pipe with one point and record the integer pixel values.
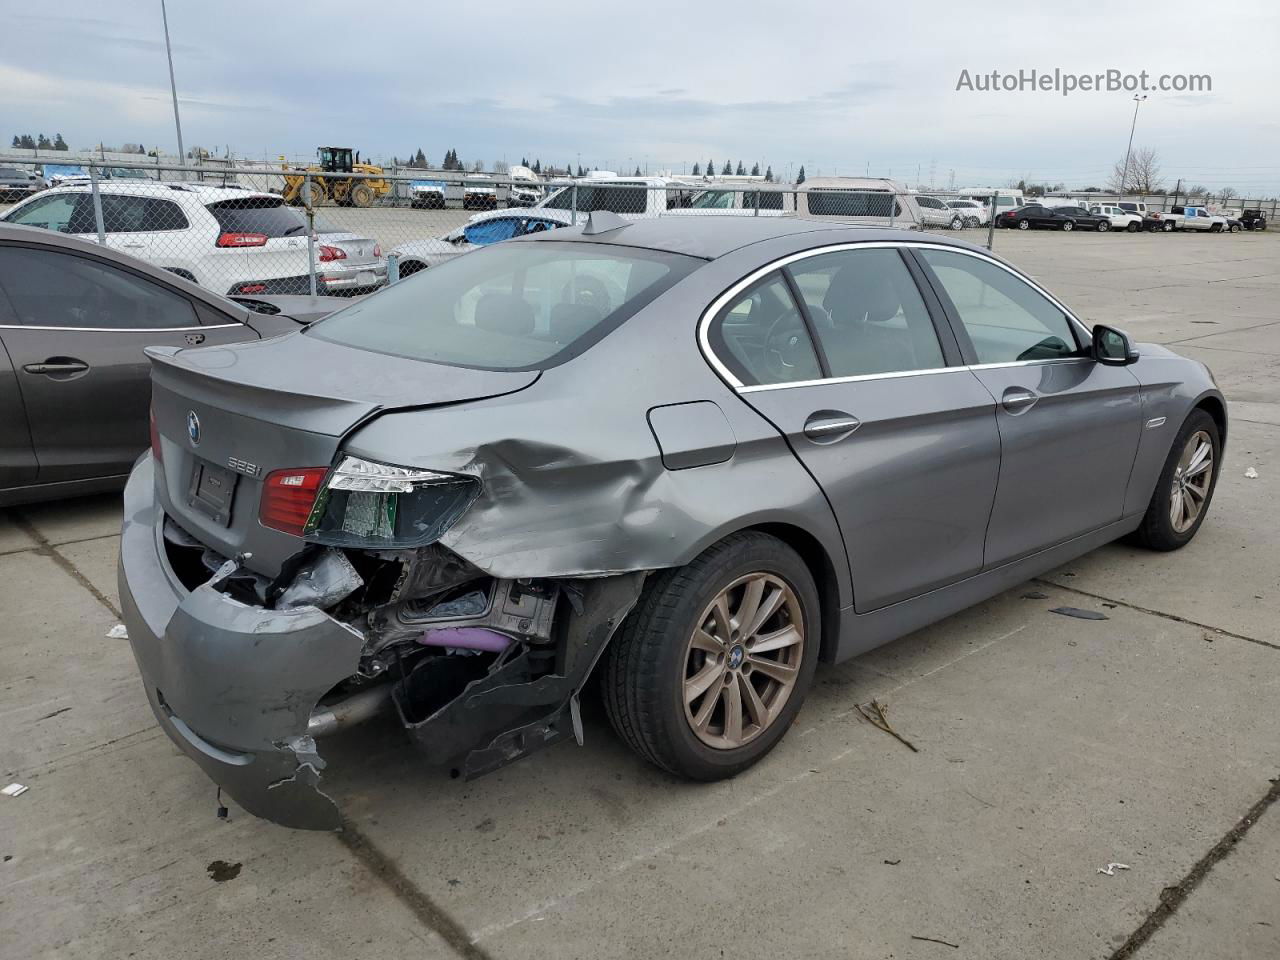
(356, 708)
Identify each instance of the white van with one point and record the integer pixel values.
(871, 201)
(1008, 198)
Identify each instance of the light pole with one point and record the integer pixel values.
(173, 86)
(1137, 102)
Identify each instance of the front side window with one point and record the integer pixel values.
(761, 336)
(714, 200)
(867, 313)
(517, 306)
(1006, 318)
(52, 289)
(61, 212)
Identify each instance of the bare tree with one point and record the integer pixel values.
(1227, 193)
(1143, 174)
(1196, 190)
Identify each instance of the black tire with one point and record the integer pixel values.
(956, 223)
(1157, 531)
(1167, 226)
(644, 671)
(1068, 226)
(972, 222)
(1235, 228)
(1024, 224)
(410, 267)
(1104, 226)
(361, 195)
(1133, 227)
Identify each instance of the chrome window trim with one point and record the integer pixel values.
(194, 326)
(722, 301)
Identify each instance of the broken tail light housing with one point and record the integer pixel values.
(376, 505)
(288, 498)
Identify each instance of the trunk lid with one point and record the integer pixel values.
(228, 416)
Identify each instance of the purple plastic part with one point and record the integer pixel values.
(468, 638)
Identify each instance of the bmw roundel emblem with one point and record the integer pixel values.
(193, 427)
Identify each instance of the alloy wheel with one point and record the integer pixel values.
(1191, 482)
(742, 660)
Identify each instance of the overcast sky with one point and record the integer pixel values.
(839, 88)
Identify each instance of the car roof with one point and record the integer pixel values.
(712, 237)
(204, 192)
(39, 237)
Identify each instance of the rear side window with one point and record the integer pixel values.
(1006, 318)
(868, 313)
(761, 336)
(511, 306)
(265, 215)
(52, 289)
(130, 214)
(767, 200)
(622, 198)
(491, 231)
(852, 203)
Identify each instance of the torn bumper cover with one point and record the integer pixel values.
(232, 685)
(239, 688)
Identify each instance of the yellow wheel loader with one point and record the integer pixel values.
(328, 183)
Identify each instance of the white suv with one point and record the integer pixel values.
(229, 239)
(1120, 218)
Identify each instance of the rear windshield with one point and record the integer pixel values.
(511, 306)
(265, 215)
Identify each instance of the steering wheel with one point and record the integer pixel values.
(785, 344)
(589, 291)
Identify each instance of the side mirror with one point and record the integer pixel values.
(1112, 347)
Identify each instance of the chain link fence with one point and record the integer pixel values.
(258, 229)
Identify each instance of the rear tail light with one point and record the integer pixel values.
(252, 288)
(377, 249)
(328, 254)
(367, 504)
(155, 438)
(288, 497)
(241, 240)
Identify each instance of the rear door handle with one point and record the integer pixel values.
(57, 365)
(1018, 400)
(828, 426)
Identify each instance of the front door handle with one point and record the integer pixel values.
(54, 366)
(1017, 400)
(828, 426)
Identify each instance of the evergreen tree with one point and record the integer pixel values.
(697, 170)
(741, 171)
(60, 144)
(537, 166)
(17, 141)
(524, 161)
(419, 158)
(581, 172)
(43, 143)
(768, 175)
(637, 173)
(711, 168)
(728, 169)
(27, 142)
(800, 175)
(755, 169)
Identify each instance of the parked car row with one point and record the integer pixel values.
(1129, 216)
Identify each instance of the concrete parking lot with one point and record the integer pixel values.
(1049, 748)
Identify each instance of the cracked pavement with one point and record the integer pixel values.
(1049, 747)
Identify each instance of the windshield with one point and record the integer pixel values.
(517, 306)
(713, 200)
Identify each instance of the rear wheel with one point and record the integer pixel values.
(1181, 498)
(1235, 228)
(1167, 226)
(1024, 224)
(711, 667)
(1104, 226)
(410, 267)
(956, 223)
(1132, 228)
(972, 222)
(1068, 226)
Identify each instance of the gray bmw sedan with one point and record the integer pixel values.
(690, 458)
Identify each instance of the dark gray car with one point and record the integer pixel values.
(75, 384)
(689, 457)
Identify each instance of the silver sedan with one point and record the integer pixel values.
(689, 458)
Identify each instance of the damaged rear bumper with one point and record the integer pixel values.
(232, 685)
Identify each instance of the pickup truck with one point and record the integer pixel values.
(1189, 218)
